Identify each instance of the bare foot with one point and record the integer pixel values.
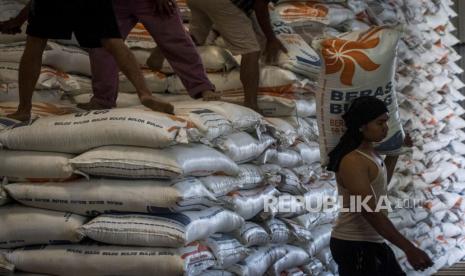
(156, 104)
(209, 95)
(91, 106)
(20, 116)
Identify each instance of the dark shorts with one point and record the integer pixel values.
(359, 258)
(89, 20)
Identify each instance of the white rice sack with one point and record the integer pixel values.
(251, 234)
(278, 231)
(310, 152)
(49, 78)
(23, 226)
(343, 80)
(34, 166)
(259, 261)
(298, 232)
(124, 99)
(314, 267)
(452, 200)
(325, 256)
(112, 260)
(249, 177)
(300, 57)
(241, 117)
(145, 163)
(294, 257)
(99, 196)
(227, 250)
(67, 59)
(241, 147)
(455, 255)
(280, 106)
(156, 82)
(285, 158)
(305, 13)
(214, 59)
(216, 272)
(285, 132)
(9, 92)
(322, 236)
(11, 52)
(307, 128)
(76, 133)
(207, 123)
(291, 183)
(434, 205)
(248, 203)
(167, 230)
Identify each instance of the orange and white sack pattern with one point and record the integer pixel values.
(357, 64)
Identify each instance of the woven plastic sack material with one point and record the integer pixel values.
(9, 92)
(214, 59)
(217, 272)
(67, 59)
(4, 198)
(167, 230)
(295, 257)
(293, 272)
(285, 132)
(303, 13)
(300, 57)
(23, 226)
(259, 261)
(144, 163)
(281, 106)
(79, 132)
(241, 117)
(314, 267)
(250, 177)
(241, 147)
(11, 52)
(208, 124)
(124, 99)
(310, 152)
(34, 166)
(285, 158)
(156, 82)
(291, 183)
(298, 232)
(307, 128)
(227, 250)
(252, 234)
(98, 196)
(112, 260)
(224, 82)
(322, 236)
(249, 203)
(350, 61)
(278, 231)
(49, 78)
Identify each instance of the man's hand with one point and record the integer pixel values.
(11, 26)
(273, 47)
(418, 259)
(165, 7)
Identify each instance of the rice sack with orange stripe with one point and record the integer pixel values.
(312, 14)
(357, 64)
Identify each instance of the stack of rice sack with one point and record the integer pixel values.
(153, 192)
(358, 59)
(429, 179)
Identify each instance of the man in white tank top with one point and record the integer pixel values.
(358, 238)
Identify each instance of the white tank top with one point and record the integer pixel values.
(352, 226)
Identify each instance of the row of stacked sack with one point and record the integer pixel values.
(278, 155)
(203, 175)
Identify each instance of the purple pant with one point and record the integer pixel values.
(172, 39)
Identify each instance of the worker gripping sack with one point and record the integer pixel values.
(357, 64)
